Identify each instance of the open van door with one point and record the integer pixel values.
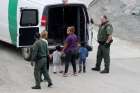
(86, 29)
(28, 29)
(59, 17)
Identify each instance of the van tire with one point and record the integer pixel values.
(26, 53)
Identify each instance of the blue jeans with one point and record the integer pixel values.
(82, 63)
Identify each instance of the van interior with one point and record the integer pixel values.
(60, 17)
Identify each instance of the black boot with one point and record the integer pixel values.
(36, 87)
(96, 69)
(84, 69)
(105, 71)
(50, 84)
(80, 69)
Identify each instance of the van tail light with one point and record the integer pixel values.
(65, 2)
(44, 21)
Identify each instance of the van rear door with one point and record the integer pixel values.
(56, 19)
(86, 29)
(28, 27)
(86, 19)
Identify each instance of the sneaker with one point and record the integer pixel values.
(65, 75)
(74, 74)
(60, 71)
(50, 84)
(104, 72)
(95, 69)
(36, 87)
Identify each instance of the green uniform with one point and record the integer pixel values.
(103, 49)
(39, 55)
(104, 31)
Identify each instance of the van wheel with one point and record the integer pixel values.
(26, 53)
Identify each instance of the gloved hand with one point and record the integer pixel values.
(107, 45)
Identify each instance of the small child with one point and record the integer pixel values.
(83, 54)
(57, 60)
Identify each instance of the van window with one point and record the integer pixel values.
(29, 17)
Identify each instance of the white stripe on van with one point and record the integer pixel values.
(4, 24)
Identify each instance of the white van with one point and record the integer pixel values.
(21, 20)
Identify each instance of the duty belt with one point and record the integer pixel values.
(101, 42)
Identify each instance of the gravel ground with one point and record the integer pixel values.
(126, 26)
(16, 75)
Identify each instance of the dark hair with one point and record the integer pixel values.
(72, 29)
(105, 17)
(83, 44)
(58, 48)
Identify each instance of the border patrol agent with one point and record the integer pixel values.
(104, 40)
(39, 56)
